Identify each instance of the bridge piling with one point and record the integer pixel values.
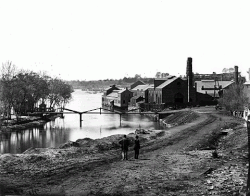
(80, 119)
(120, 120)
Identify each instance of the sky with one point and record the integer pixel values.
(104, 39)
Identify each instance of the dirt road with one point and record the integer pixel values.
(174, 162)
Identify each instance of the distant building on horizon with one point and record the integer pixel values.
(219, 77)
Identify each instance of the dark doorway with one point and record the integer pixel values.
(178, 98)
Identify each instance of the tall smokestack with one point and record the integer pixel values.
(236, 74)
(189, 72)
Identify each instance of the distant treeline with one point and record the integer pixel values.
(99, 85)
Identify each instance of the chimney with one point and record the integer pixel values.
(189, 72)
(236, 74)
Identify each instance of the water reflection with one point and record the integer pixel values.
(19, 141)
(59, 131)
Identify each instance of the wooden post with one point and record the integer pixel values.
(80, 119)
(120, 120)
(248, 176)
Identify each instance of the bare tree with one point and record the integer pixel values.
(225, 70)
(9, 70)
(158, 74)
(231, 70)
(22, 90)
(60, 93)
(234, 98)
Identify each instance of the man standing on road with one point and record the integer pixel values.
(137, 147)
(124, 145)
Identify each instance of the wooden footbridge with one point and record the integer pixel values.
(103, 111)
(98, 111)
(62, 111)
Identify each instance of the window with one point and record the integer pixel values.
(123, 101)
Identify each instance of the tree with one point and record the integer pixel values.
(60, 93)
(65, 93)
(22, 90)
(158, 74)
(29, 89)
(8, 71)
(225, 70)
(137, 76)
(231, 70)
(234, 98)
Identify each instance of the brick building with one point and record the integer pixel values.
(140, 93)
(115, 98)
(173, 90)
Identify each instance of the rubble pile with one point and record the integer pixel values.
(227, 180)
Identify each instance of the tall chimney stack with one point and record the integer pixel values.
(236, 74)
(189, 74)
(189, 71)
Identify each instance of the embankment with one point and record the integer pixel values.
(27, 122)
(48, 169)
(179, 118)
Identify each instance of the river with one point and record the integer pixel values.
(61, 130)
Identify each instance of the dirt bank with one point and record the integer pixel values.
(174, 162)
(26, 122)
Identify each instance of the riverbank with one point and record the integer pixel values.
(178, 161)
(26, 122)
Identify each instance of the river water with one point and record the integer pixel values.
(59, 131)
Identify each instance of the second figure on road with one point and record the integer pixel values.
(137, 147)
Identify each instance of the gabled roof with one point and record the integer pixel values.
(110, 87)
(122, 90)
(167, 82)
(137, 97)
(139, 81)
(226, 85)
(208, 86)
(165, 78)
(142, 87)
(113, 95)
(211, 83)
